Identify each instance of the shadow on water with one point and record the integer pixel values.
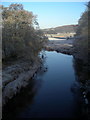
(82, 77)
(21, 100)
(26, 96)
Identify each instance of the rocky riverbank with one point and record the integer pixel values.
(60, 45)
(17, 76)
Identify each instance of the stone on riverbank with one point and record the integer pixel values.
(63, 46)
(16, 77)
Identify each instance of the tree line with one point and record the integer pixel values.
(20, 38)
(81, 44)
(82, 47)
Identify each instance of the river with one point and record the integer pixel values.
(50, 94)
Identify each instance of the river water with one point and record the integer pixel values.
(50, 94)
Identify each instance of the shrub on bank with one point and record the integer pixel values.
(19, 36)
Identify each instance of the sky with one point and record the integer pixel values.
(53, 14)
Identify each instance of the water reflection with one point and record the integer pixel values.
(22, 100)
(26, 96)
(82, 77)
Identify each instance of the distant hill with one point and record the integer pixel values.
(61, 29)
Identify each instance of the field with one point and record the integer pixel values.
(65, 35)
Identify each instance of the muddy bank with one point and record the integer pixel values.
(17, 76)
(62, 46)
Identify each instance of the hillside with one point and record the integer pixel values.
(61, 29)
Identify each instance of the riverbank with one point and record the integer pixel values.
(60, 45)
(17, 76)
